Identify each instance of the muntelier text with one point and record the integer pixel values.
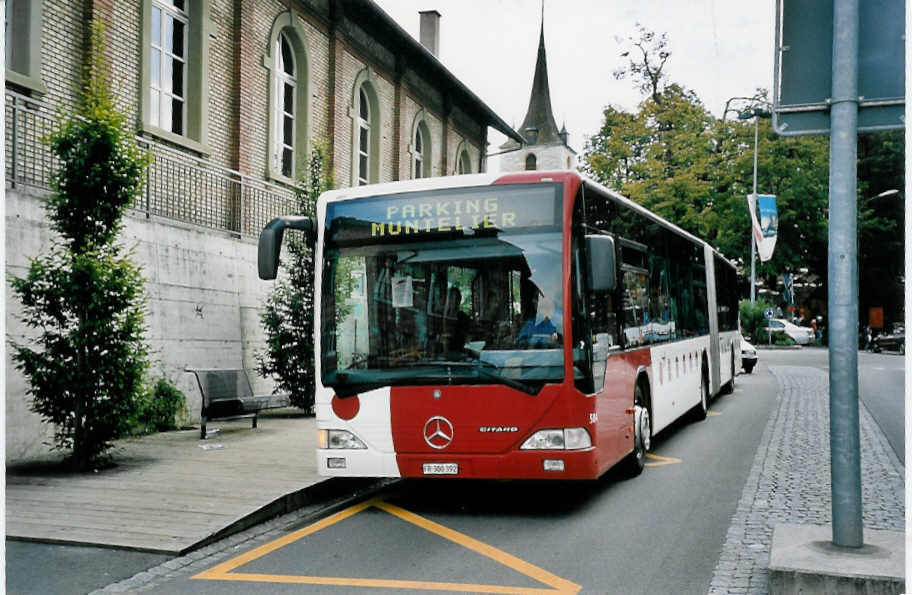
(444, 215)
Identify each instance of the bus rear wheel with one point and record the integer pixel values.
(642, 434)
(702, 408)
(729, 387)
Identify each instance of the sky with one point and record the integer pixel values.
(719, 48)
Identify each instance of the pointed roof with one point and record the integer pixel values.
(539, 127)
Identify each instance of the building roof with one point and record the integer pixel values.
(373, 20)
(539, 126)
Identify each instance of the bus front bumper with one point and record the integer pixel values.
(521, 464)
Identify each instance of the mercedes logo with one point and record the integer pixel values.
(438, 432)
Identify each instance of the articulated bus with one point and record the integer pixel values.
(527, 325)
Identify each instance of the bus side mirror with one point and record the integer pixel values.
(602, 263)
(270, 243)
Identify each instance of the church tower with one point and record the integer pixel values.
(545, 147)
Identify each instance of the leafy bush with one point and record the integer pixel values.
(85, 299)
(159, 407)
(782, 339)
(753, 321)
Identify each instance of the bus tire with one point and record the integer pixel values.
(633, 464)
(729, 387)
(702, 408)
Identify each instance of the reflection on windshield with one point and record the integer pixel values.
(419, 305)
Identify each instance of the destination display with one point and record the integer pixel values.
(467, 210)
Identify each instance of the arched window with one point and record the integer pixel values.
(418, 155)
(465, 165)
(365, 114)
(286, 98)
(530, 162)
(421, 147)
(364, 138)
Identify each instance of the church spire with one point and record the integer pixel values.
(539, 127)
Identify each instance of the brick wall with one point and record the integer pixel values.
(62, 52)
(223, 99)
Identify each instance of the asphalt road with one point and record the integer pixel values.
(881, 385)
(47, 569)
(661, 532)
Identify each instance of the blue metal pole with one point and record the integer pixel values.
(845, 452)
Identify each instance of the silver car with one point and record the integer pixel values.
(803, 335)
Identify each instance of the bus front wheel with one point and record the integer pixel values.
(642, 434)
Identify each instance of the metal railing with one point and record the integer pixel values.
(177, 186)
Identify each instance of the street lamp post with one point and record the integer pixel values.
(756, 114)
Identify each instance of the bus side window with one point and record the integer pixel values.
(636, 305)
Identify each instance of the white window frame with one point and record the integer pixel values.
(364, 141)
(418, 154)
(22, 35)
(167, 9)
(282, 79)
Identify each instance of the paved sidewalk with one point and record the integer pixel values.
(789, 481)
(172, 492)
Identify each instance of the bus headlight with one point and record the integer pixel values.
(342, 439)
(558, 439)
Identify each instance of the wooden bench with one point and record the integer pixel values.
(227, 394)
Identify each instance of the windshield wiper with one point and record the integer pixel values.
(492, 371)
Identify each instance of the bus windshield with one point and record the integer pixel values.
(470, 294)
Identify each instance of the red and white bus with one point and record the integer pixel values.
(523, 325)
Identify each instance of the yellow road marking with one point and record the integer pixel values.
(224, 570)
(660, 460)
(226, 567)
(521, 566)
(712, 413)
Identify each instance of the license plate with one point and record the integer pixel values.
(440, 468)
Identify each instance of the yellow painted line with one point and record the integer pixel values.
(223, 571)
(218, 572)
(382, 584)
(712, 413)
(660, 460)
(521, 566)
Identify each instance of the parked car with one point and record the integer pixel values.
(748, 356)
(896, 340)
(802, 335)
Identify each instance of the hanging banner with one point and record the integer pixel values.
(764, 223)
(788, 282)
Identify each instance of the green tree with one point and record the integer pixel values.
(674, 157)
(288, 316)
(85, 298)
(880, 224)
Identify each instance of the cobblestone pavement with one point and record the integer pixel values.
(789, 481)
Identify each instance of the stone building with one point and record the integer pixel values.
(543, 147)
(229, 97)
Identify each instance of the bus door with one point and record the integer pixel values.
(715, 381)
